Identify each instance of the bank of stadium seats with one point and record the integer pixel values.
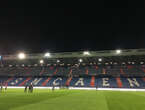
(132, 70)
(93, 70)
(102, 76)
(62, 71)
(65, 71)
(113, 70)
(105, 82)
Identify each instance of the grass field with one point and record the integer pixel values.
(16, 99)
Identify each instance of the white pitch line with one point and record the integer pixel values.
(84, 88)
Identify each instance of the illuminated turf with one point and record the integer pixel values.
(16, 99)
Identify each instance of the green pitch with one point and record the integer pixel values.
(16, 99)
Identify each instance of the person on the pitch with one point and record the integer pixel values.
(1, 86)
(31, 88)
(6, 85)
(96, 87)
(26, 87)
(53, 87)
(67, 86)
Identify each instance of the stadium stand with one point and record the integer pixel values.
(113, 72)
(78, 82)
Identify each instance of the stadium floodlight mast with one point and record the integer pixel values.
(118, 51)
(47, 54)
(41, 61)
(86, 53)
(21, 56)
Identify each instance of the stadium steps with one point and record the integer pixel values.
(104, 71)
(87, 71)
(42, 71)
(22, 84)
(92, 84)
(68, 81)
(55, 71)
(143, 69)
(46, 81)
(119, 83)
(70, 72)
(143, 79)
(96, 67)
(28, 71)
(121, 71)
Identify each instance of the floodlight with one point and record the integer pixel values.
(100, 59)
(47, 54)
(58, 61)
(80, 60)
(41, 61)
(21, 56)
(118, 51)
(86, 53)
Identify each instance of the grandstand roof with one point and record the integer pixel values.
(105, 53)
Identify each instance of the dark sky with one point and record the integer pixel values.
(37, 28)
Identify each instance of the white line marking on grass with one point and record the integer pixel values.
(83, 88)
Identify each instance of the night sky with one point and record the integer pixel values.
(37, 29)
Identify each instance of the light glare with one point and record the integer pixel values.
(41, 61)
(80, 60)
(58, 61)
(47, 55)
(118, 51)
(86, 53)
(21, 56)
(100, 59)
